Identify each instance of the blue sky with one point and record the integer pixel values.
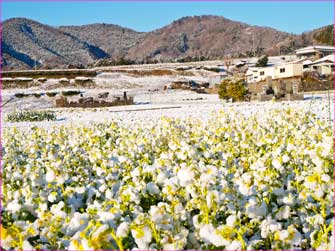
(294, 17)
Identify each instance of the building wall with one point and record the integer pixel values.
(314, 54)
(259, 74)
(215, 80)
(276, 83)
(290, 70)
(306, 55)
(303, 86)
(323, 69)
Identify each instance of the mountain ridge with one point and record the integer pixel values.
(28, 44)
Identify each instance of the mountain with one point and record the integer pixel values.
(320, 36)
(27, 44)
(34, 44)
(113, 39)
(207, 36)
(324, 35)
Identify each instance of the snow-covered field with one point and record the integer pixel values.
(254, 176)
(149, 107)
(176, 170)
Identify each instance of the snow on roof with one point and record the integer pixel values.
(324, 59)
(301, 60)
(218, 74)
(314, 48)
(307, 62)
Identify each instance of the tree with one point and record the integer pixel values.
(325, 35)
(232, 89)
(262, 62)
(304, 40)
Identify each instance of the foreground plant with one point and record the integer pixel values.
(232, 182)
(21, 116)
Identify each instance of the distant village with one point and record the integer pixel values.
(283, 74)
(312, 58)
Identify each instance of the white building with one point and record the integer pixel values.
(315, 51)
(255, 74)
(324, 66)
(217, 78)
(292, 69)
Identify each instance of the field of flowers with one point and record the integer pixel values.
(230, 182)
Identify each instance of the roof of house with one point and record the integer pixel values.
(302, 61)
(314, 48)
(218, 74)
(307, 62)
(329, 58)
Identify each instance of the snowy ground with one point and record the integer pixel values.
(114, 83)
(150, 107)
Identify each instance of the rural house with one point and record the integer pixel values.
(324, 66)
(286, 70)
(217, 78)
(315, 51)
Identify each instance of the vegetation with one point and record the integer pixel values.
(64, 73)
(235, 90)
(311, 81)
(37, 95)
(186, 59)
(20, 95)
(113, 62)
(234, 182)
(51, 94)
(22, 116)
(262, 62)
(326, 35)
(70, 93)
(214, 69)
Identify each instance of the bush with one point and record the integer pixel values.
(234, 90)
(70, 93)
(31, 116)
(114, 62)
(51, 94)
(20, 95)
(262, 62)
(214, 69)
(37, 95)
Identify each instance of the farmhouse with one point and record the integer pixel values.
(287, 70)
(217, 78)
(315, 51)
(324, 66)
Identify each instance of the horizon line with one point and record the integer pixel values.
(193, 16)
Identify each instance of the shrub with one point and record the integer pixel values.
(235, 90)
(70, 93)
(31, 116)
(37, 95)
(20, 95)
(51, 94)
(262, 62)
(214, 69)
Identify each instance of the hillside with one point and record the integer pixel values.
(113, 39)
(324, 35)
(29, 44)
(33, 44)
(205, 36)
